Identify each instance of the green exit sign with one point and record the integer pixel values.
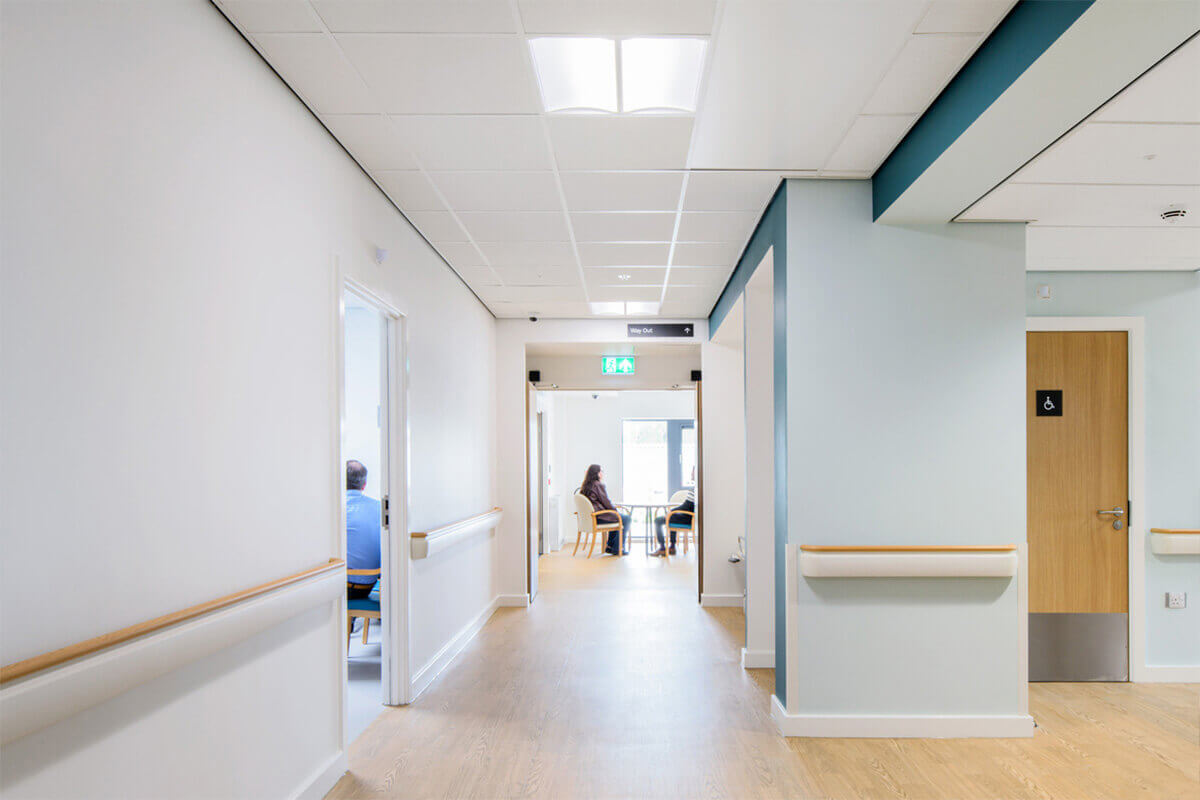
(616, 365)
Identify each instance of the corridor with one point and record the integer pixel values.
(615, 684)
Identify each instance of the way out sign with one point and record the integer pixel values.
(1048, 402)
(616, 365)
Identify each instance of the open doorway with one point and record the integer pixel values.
(372, 463)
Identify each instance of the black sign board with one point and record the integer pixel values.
(1049, 402)
(670, 330)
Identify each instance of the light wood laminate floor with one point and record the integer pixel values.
(615, 684)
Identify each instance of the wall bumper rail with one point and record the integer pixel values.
(432, 542)
(46, 689)
(917, 561)
(1175, 541)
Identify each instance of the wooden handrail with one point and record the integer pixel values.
(921, 548)
(19, 669)
(434, 533)
(1175, 531)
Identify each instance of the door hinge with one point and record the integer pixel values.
(386, 509)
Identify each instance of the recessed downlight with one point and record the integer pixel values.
(624, 276)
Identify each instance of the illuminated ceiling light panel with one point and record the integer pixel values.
(607, 308)
(575, 73)
(661, 74)
(641, 308)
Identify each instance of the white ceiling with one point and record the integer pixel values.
(542, 213)
(1093, 198)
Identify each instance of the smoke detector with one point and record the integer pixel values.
(1173, 213)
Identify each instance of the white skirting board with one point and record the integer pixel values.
(722, 600)
(908, 565)
(51, 696)
(442, 658)
(325, 778)
(1169, 674)
(513, 601)
(1175, 544)
(1000, 726)
(758, 659)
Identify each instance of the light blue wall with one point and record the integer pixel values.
(908, 428)
(1170, 304)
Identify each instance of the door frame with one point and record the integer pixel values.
(395, 544)
(1135, 328)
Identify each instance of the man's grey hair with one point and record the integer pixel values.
(356, 475)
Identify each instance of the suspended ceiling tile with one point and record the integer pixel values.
(532, 294)
(516, 226)
(637, 276)
(923, 68)
(637, 294)
(411, 190)
(623, 226)
(704, 296)
(539, 276)
(417, 16)
(504, 254)
(592, 142)
(623, 254)
(618, 17)
(869, 141)
(622, 191)
(704, 277)
(1083, 204)
(717, 226)
(437, 226)
(1170, 92)
(963, 16)
(477, 277)
(1124, 249)
(702, 254)
(313, 66)
(1118, 153)
(462, 255)
(499, 191)
(273, 16)
(371, 139)
(445, 74)
(501, 142)
(729, 190)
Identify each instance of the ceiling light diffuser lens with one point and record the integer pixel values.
(661, 73)
(641, 308)
(576, 74)
(607, 308)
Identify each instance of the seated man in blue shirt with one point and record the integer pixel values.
(362, 531)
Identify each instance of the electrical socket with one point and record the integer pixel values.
(1176, 599)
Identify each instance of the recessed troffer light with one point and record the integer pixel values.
(661, 74)
(641, 308)
(579, 74)
(631, 308)
(607, 308)
(576, 73)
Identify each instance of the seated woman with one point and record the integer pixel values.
(593, 489)
(676, 519)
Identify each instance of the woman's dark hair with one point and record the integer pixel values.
(592, 476)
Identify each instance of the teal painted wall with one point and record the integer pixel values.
(1170, 304)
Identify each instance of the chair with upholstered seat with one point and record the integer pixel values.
(683, 531)
(589, 526)
(365, 607)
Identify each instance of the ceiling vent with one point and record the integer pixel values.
(1173, 213)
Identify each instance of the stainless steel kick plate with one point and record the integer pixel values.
(1078, 647)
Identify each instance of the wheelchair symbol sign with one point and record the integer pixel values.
(1048, 402)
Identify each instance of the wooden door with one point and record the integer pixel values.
(1077, 467)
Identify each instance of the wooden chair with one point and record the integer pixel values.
(589, 526)
(366, 607)
(684, 532)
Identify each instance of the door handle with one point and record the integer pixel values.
(1117, 512)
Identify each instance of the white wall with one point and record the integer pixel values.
(590, 432)
(724, 454)
(1170, 305)
(906, 425)
(171, 219)
(511, 376)
(759, 299)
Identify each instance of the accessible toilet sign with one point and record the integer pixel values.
(616, 365)
(1048, 402)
